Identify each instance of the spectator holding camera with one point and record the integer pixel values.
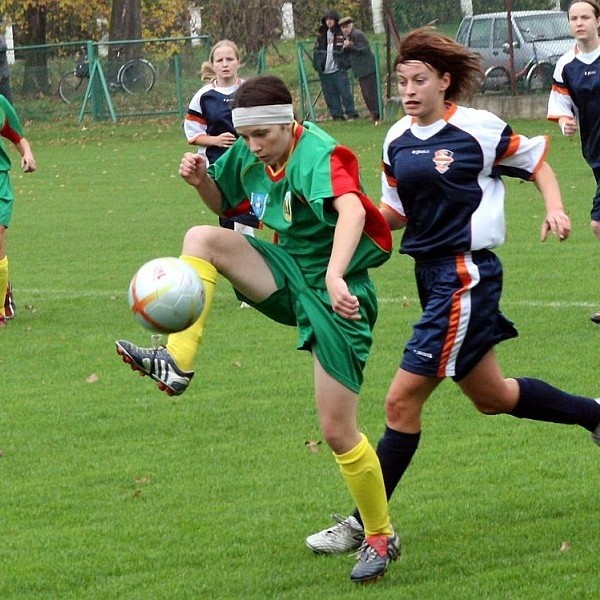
(362, 61)
(331, 64)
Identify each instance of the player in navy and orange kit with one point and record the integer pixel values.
(442, 182)
(306, 187)
(575, 97)
(208, 123)
(10, 129)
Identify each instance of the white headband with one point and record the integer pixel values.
(270, 114)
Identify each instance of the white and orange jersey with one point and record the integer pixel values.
(576, 92)
(445, 179)
(209, 113)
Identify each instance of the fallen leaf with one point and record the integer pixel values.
(312, 446)
(91, 378)
(565, 546)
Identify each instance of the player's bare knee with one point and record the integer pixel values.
(208, 241)
(491, 405)
(334, 439)
(595, 226)
(198, 235)
(402, 414)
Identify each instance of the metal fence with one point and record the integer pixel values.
(311, 102)
(109, 80)
(518, 59)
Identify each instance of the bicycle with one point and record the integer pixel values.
(535, 77)
(133, 76)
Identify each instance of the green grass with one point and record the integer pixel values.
(111, 490)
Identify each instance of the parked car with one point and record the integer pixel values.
(539, 38)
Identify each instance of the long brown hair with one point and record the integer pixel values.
(444, 55)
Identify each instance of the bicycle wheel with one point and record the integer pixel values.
(71, 88)
(497, 79)
(539, 78)
(137, 75)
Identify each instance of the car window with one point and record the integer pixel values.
(463, 30)
(501, 33)
(481, 33)
(544, 27)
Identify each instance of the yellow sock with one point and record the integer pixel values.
(3, 282)
(361, 469)
(184, 345)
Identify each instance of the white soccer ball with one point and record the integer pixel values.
(166, 295)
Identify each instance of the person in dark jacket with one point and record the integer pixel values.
(362, 61)
(4, 71)
(331, 64)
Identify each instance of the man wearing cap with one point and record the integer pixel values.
(331, 64)
(356, 47)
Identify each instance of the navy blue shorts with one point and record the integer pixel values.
(461, 319)
(595, 212)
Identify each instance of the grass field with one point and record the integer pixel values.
(110, 489)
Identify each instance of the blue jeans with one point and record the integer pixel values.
(337, 92)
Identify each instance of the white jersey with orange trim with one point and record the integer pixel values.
(209, 113)
(576, 92)
(445, 179)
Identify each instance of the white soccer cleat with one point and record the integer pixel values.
(344, 537)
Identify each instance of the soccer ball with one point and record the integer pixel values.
(166, 295)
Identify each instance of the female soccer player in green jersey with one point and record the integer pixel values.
(305, 187)
(11, 129)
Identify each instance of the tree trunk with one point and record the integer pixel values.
(35, 76)
(378, 16)
(125, 24)
(466, 7)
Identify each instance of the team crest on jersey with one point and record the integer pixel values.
(258, 201)
(287, 207)
(443, 159)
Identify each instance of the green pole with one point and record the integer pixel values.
(178, 85)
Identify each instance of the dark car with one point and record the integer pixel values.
(539, 38)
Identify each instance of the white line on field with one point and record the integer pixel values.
(114, 295)
(503, 302)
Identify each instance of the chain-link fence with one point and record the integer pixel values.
(112, 80)
(311, 102)
(518, 59)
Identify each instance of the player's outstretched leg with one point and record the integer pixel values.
(347, 535)
(158, 364)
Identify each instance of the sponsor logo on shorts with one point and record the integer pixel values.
(423, 354)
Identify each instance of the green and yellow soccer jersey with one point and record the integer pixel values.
(296, 201)
(10, 128)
